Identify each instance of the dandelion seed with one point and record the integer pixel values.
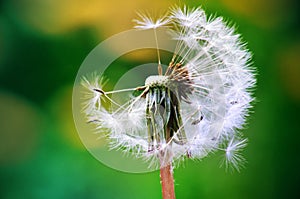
(193, 107)
(146, 22)
(93, 94)
(233, 158)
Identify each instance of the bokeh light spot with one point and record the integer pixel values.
(20, 128)
(60, 16)
(289, 69)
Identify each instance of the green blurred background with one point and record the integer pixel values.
(42, 45)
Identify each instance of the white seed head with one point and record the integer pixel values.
(200, 103)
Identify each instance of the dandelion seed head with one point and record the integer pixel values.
(200, 102)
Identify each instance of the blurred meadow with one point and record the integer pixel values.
(44, 42)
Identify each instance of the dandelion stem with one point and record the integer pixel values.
(166, 170)
(167, 182)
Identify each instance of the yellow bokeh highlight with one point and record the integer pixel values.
(57, 17)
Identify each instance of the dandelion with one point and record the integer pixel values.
(194, 107)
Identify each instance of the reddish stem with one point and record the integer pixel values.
(167, 182)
